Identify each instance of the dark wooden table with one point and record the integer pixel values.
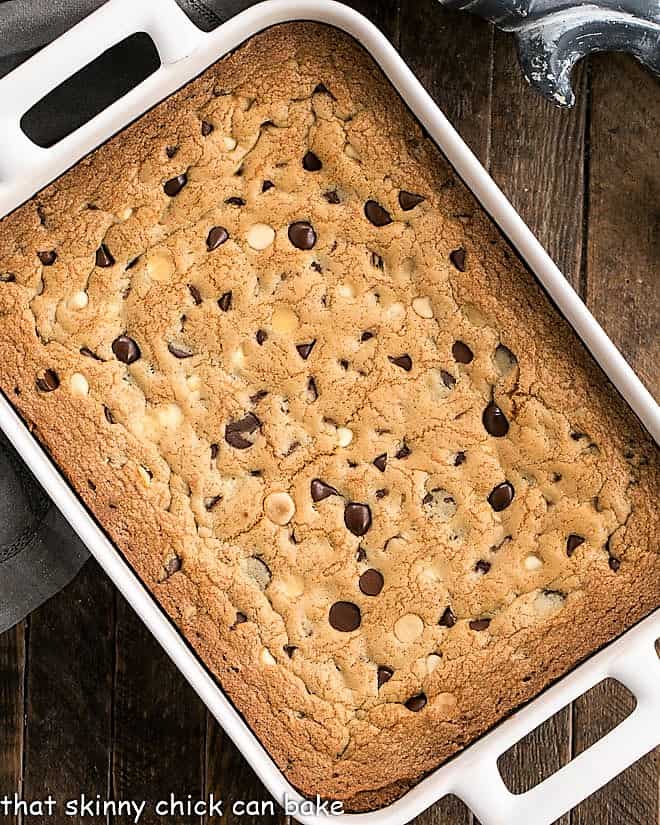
(88, 701)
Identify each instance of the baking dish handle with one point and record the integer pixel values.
(485, 793)
(174, 36)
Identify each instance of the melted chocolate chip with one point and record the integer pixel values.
(357, 518)
(207, 128)
(302, 235)
(173, 565)
(235, 200)
(494, 421)
(241, 618)
(404, 361)
(459, 458)
(173, 186)
(215, 449)
(7, 278)
(216, 237)
(377, 214)
(366, 336)
(344, 616)
(614, 563)
(224, 301)
(48, 257)
(304, 350)
(179, 351)
(261, 336)
(384, 675)
(479, 624)
(109, 417)
(311, 387)
(501, 496)
(125, 349)
(371, 582)
(448, 379)
(195, 294)
(381, 493)
(320, 490)
(462, 353)
(104, 257)
(409, 200)
(290, 650)
(482, 566)
(89, 354)
(311, 162)
(170, 151)
(416, 703)
(457, 257)
(404, 451)
(48, 382)
(332, 196)
(572, 543)
(266, 185)
(236, 431)
(380, 462)
(447, 619)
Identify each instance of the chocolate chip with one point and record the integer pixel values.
(501, 496)
(447, 619)
(209, 503)
(241, 618)
(384, 675)
(104, 257)
(381, 493)
(404, 451)
(376, 214)
(109, 417)
(462, 353)
(322, 89)
(304, 350)
(179, 351)
(216, 237)
(290, 650)
(125, 349)
(409, 200)
(404, 361)
(376, 261)
(47, 258)
(48, 382)
(207, 128)
(357, 518)
(311, 162)
(343, 363)
(494, 421)
(173, 186)
(380, 462)
(320, 490)
(236, 430)
(332, 196)
(261, 336)
(366, 336)
(614, 563)
(195, 293)
(170, 151)
(258, 396)
(371, 582)
(572, 543)
(344, 616)
(302, 235)
(479, 624)
(224, 301)
(459, 458)
(482, 566)
(235, 200)
(89, 354)
(215, 449)
(447, 379)
(361, 554)
(457, 257)
(266, 185)
(7, 278)
(311, 387)
(416, 703)
(173, 565)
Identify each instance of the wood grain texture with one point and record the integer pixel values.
(159, 724)
(69, 692)
(12, 711)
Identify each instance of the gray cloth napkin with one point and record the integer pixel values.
(39, 552)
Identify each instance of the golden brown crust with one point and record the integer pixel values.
(136, 440)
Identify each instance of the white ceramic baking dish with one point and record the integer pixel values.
(185, 52)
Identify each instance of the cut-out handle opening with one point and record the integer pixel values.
(90, 90)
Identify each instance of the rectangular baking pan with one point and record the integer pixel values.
(185, 51)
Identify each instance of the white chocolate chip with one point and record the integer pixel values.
(260, 236)
(432, 661)
(408, 628)
(422, 307)
(344, 436)
(79, 384)
(533, 562)
(351, 151)
(78, 300)
(170, 416)
(160, 265)
(145, 475)
(229, 143)
(279, 507)
(267, 657)
(125, 214)
(284, 320)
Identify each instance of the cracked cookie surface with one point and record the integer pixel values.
(327, 415)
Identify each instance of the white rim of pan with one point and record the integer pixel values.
(185, 51)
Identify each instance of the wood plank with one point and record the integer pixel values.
(384, 14)
(623, 291)
(159, 725)
(12, 710)
(69, 684)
